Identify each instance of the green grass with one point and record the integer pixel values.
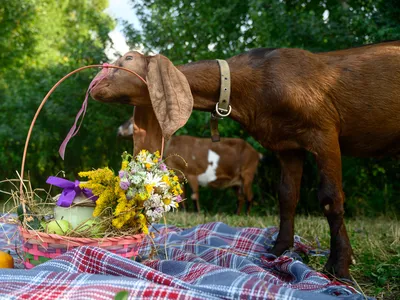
(375, 242)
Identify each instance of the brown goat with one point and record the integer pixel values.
(229, 163)
(292, 101)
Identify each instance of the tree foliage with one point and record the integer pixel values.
(186, 30)
(40, 42)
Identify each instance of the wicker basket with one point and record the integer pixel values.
(39, 247)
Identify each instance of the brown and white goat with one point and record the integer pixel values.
(330, 104)
(230, 163)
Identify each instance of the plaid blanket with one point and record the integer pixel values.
(209, 261)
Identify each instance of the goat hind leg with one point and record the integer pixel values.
(248, 192)
(331, 198)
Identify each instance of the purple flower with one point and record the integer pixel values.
(159, 210)
(121, 174)
(124, 184)
(163, 167)
(178, 198)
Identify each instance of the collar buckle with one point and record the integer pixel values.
(222, 112)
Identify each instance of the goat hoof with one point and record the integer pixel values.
(279, 249)
(337, 270)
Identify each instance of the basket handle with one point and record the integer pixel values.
(21, 190)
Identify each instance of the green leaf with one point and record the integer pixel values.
(20, 213)
(123, 295)
(34, 224)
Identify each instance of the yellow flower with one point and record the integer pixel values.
(145, 229)
(121, 207)
(149, 188)
(141, 196)
(117, 223)
(167, 201)
(96, 188)
(165, 179)
(143, 223)
(148, 166)
(175, 178)
(104, 201)
(124, 165)
(112, 199)
(157, 154)
(155, 160)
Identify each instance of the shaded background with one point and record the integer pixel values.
(42, 40)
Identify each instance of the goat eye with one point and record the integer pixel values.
(130, 57)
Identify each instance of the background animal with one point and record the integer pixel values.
(229, 163)
(291, 101)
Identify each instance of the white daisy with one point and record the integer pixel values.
(169, 203)
(153, 179)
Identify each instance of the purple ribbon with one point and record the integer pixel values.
(73, 131)
(70, 190)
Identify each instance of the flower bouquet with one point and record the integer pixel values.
(144, 190)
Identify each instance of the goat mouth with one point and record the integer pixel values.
(99, 92)
(101, 85)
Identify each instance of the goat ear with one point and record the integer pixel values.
(170, 94)
(146, 130)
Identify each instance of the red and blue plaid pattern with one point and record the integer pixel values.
(209, 261)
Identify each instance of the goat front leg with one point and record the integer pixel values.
(240, 199)
(289, 193)
(331, 198)
(183, 197)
